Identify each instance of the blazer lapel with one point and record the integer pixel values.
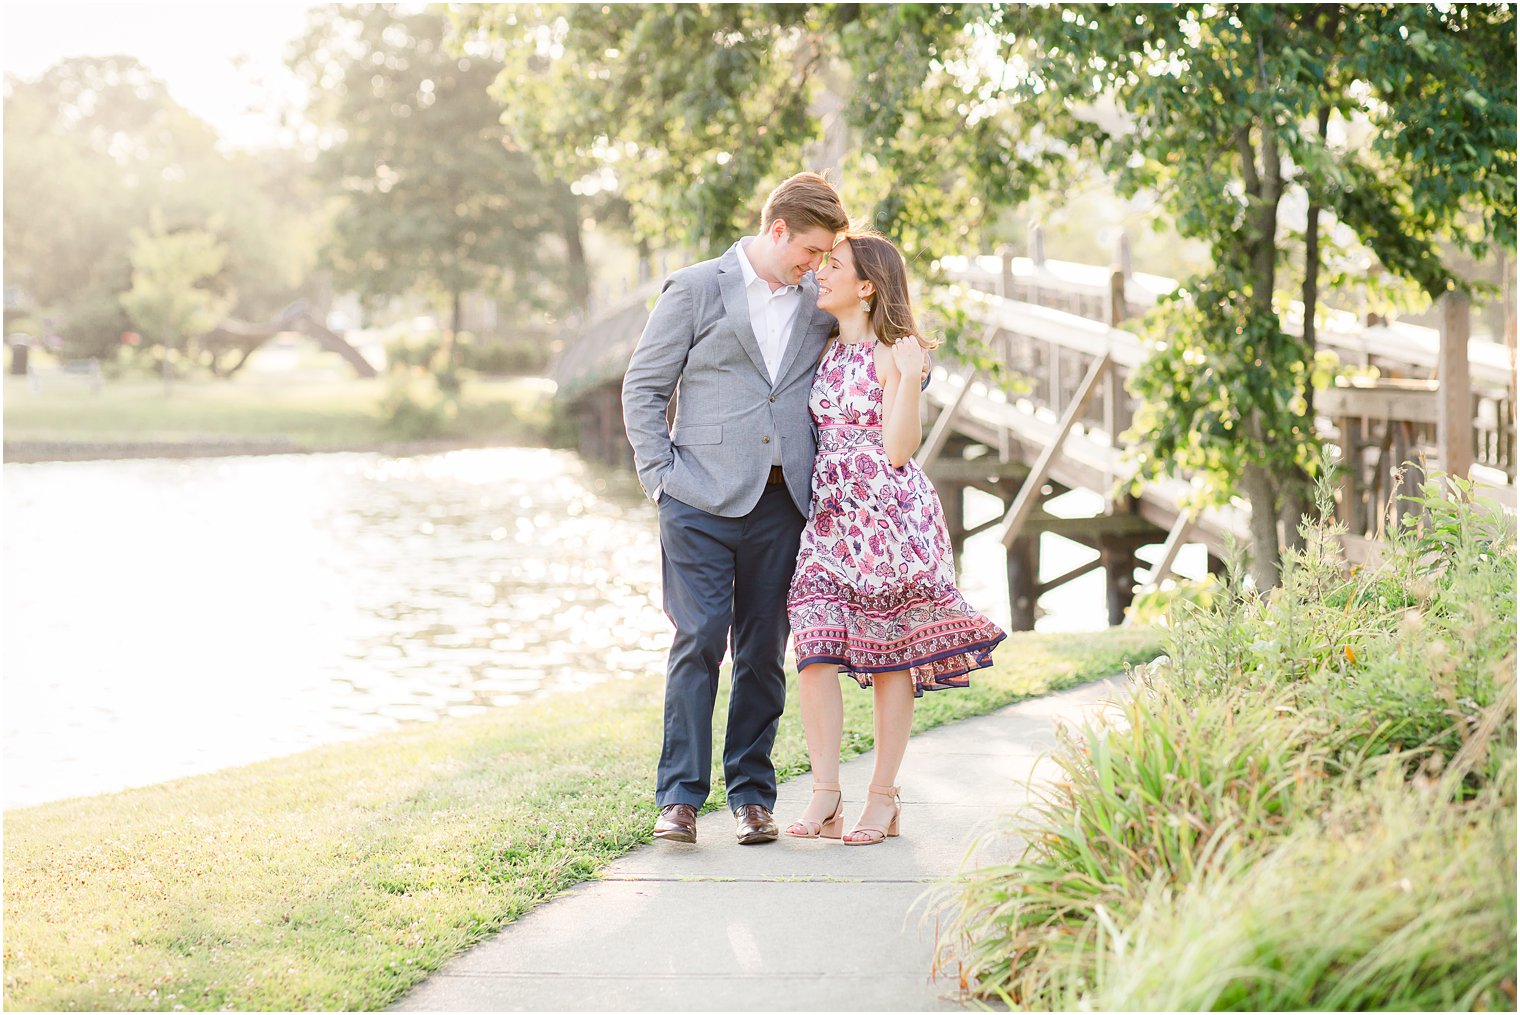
(802, 320)
(736, 306)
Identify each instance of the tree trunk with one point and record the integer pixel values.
(247, 353)
(577, 274)
(1265, 558)
(1297, 488)
(1295, 505)
(444, 371)
(167, 370)
(1264, 256)
(1264, 189)
(1263, 186)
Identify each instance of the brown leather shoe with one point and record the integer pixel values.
(678, 823)
(755, 824)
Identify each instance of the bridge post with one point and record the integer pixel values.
(1023, 581)
(1037, 258)
(952, 497)
(1454, 419)
(611, 424)
(589, 427)
(1113, 384)
(1117, 554)
(1353, 512)
(1005, 284)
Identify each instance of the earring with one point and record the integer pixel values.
(865, 308)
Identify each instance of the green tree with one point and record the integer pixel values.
(431, 200)
(168, 301)
(699, 108)
(91, 148)
(1395, 121)
(687, 109)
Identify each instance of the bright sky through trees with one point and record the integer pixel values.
(218, 59)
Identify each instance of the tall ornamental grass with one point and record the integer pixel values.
(1308, 804)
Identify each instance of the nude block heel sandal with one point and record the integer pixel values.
(831, 827)
(877, 833)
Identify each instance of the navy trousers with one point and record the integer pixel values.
(722, 575)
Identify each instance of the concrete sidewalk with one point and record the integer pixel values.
(795, 925)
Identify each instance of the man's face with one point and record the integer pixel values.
(797, 253)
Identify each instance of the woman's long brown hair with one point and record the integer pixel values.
(879, 262)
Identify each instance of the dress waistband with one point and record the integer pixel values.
(848, 437)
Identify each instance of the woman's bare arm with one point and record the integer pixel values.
(902, 427)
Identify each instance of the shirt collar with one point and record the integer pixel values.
(751, 275)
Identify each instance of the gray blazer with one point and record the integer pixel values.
(698, 344)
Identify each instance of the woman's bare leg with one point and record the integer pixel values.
(893, 723)
(823, 724)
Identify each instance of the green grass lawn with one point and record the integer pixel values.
(338, 878)
(309, 413)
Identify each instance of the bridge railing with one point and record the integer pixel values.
(1052, 315)
(1085, 290)
(1054, 349)
(1051, 321)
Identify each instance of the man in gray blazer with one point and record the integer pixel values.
(735, 340)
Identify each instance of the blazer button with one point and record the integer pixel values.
(765, 440)
(773, 398)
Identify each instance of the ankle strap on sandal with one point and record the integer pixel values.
(827, 787)
(888, 791)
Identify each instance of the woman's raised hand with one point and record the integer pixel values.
(908, 355)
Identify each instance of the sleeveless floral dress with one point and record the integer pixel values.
(874, 590)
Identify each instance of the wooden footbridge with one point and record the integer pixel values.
(1440, 401)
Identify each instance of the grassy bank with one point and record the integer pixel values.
(1311, 808)
(309, 414)
(337, 878)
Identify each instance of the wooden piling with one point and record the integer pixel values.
(1023, 581)
(1454, 426)
(1352, 508)
(952, 497)
(1117, 554)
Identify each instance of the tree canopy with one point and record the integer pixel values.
(431, 197)
(1274, 134)
(93, 148)
(693, 111)
(1396, 121)
(168, 301)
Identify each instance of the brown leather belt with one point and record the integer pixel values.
(776, 476)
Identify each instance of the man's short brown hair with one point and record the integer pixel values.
(806, 201)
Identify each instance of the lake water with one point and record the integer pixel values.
(169, 617)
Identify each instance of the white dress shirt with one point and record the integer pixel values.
(770, 313)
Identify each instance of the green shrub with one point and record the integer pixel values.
(1310, 803)
(432, 351)
(501, 357)
(1157, 606)
(414, 405)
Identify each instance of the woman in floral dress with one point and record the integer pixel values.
(873, 595)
